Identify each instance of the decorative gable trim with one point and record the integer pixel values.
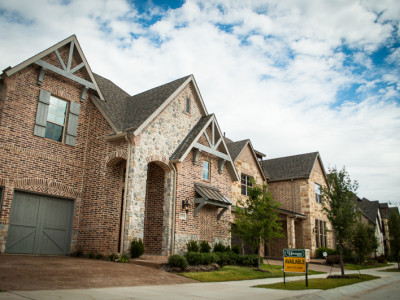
(224, 158)
(66, 70)
(248, 143)
(168, 101)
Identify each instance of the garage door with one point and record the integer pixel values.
(39, 225)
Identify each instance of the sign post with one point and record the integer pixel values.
(296, 261)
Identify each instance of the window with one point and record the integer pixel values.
(56, 119)
(245, 183)
(51, 119)
(320, 233)
(317, 188)
(206, 170)
(188, 105)
(1, 196)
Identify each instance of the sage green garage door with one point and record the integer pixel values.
(39, 225)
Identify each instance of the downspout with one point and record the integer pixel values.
(173, 211)
(128, 161)
(294, 210)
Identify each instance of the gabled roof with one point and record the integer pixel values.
(133, 113)
(369, 208)
(66, 69)
(291, 167)
(191, 141)
(236, 148)
(384, 210)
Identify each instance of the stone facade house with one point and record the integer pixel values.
(295, 182)
(247, 164)
(86, 166)
(372, 212)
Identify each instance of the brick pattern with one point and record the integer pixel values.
(153, 222)
(36, 164)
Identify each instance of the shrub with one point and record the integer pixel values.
(248, 260)
(236, 249)
(196, 258)
(226, 258)
(124, 258)
(99, 256)
(192, 246)
(381, 260)
(193, 258)
(112, 257)
(219, 247)
(137, 248)
(321, 250)
(90, 255)
(178, 261)
(205, 247)
(333, 259)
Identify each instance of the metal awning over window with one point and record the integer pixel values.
(212, 196)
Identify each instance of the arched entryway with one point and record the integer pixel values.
(155, 208)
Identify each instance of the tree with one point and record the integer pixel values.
(394, 235)
(364, 241)
(257, 219)
(340, 208)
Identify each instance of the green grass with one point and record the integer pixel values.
(363, 267)
(391, 270)
(320, 283)
(232, 273)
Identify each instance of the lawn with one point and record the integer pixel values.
(363, 267)
(391, 270)
(232, 273)
(320, 283)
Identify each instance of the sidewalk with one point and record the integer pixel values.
(218, 290)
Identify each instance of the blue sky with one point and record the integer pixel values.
(294, 76)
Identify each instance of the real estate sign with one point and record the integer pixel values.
(294, 260)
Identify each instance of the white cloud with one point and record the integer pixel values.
(273, 76)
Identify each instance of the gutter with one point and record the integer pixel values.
(173, 210)
(128, 161)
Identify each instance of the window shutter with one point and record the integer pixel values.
(72, 127)
(41, 113)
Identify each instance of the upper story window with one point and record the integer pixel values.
(317, 188)
(206, 170)
(245, 182)
(187, 109)
(320, 233)
(56, 119)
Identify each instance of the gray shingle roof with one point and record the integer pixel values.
(384, 210)
(180, 151)
(284, 168)
(370, 208)
(129, 112)
(209, 192)
(235, 148)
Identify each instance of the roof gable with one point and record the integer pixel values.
(215, 144)
(369, 208)
(61, 66)
(291, 167)
(237, 148)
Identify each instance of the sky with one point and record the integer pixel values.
(294, 76)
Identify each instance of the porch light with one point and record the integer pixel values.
(186, 205)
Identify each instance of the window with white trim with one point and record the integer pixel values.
(206, 170)
(56, 119)
(320, 233)
(317, 189)
(245, 182)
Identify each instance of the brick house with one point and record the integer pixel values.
(85, 165)
(295, 182)
(247, 164)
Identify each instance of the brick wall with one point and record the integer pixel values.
(153, 222)
(205, 225)
(37, 164)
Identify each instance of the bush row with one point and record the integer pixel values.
(204, 247)
(221, 258)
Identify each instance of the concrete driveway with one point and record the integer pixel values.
(30, 273)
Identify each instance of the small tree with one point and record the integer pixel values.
(394, 235)
(364, 241)
(257, 220)
(340, 207)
